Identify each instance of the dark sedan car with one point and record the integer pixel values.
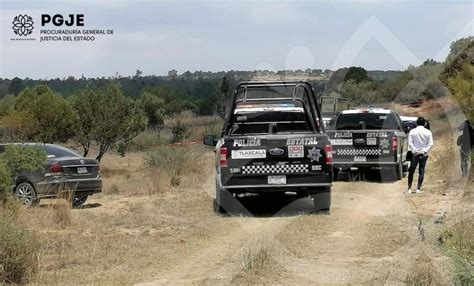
(65, 170)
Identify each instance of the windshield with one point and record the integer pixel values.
(327, 104)
(369, 121)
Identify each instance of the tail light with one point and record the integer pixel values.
(223, 159)
(329, 158)
(56, 169)
(394, 143)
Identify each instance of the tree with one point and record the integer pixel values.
(459, 46)
(138, 73)
(52, 117)
(16, 86)
(19, 126)
(153, 106)
(462, 88)
(114, 119)
(224, 94)
(83, 104)
(173, 73)
(357, 74)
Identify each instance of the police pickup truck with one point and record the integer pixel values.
(369, 138)
(273, 140)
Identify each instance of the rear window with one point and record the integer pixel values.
(367, 121)
(270, 118)
(56, 151)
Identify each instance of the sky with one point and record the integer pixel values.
(158, 36)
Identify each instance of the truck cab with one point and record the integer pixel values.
(273, 140)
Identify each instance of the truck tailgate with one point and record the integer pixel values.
(282, 160)
(364, 146)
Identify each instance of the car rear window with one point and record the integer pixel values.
(369, 121)
(56, 151)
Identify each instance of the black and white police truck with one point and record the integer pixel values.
(273, 140)
(369, 138)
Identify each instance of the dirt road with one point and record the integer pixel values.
(372, 236)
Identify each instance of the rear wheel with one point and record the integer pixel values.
(79, 200)
(322, 200)
(224, 200)
(399, 170)
(26, 193)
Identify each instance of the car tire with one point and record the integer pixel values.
(26, 193)
(224, 200)
(322, 200)
(78, 201)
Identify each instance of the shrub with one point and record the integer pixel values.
(179, 131)
(172, 159)
(14, 161)
(5, 180)
(18, 253)
(20, 158)
(176, 161)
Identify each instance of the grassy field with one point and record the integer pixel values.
(155, 222)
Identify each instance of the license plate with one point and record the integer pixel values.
(82, 170)
(371, 141)
(277, 180)
(360, 158)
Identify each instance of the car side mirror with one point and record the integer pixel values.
(406, 129)
(210, 140)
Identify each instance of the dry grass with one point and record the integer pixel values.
(18, 252)
(62, 212)
(176, 163)
(259, 266)
(139, 224)
(423, 272)
(458, 241)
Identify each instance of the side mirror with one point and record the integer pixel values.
(406, 129)
(210, 140)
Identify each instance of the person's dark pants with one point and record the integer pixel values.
(415, 161)
(465, 156)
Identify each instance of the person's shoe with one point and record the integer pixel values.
(409, 191)
(418, 191)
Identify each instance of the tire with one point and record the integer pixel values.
(78, 201)
(26, 193)
(224, 200)
(322, 200)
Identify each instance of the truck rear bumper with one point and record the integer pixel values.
(296, 186)
(348, 165)
(293, 184)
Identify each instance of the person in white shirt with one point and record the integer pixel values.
(420, 142)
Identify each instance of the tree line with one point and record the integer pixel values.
(430, 80)
(109, 112)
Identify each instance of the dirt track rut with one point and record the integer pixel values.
(367, 238)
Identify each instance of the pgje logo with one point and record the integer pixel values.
(22, 25)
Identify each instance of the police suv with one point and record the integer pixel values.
(369, 138)
(273, 140)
